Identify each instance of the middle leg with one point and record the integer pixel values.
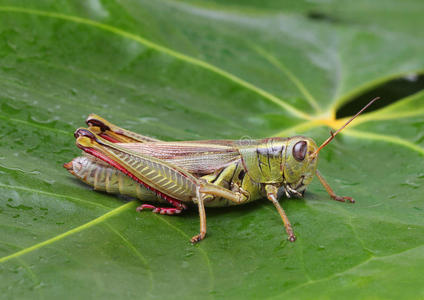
(271, 192)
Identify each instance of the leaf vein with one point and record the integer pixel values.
(124, 116)
(199, 247)
(135, 251)
(364, 262)
(385, 138)
(34, 125)
(75, 199)
(293, 78)
(368, 86)
(183, 57)
(61, 236)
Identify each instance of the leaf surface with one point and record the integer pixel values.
(186, 70)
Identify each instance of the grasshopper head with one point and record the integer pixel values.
(300, 164)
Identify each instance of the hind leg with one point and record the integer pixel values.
(113, 133)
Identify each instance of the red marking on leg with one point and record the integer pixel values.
(176, 203)
(160, 210)
(145, 206)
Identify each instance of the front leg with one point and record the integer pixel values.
(271, 193)
(330, 190)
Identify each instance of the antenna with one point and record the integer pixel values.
(333, 134)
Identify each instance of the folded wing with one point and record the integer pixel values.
(197, 157)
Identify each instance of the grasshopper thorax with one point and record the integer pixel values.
(281, 162)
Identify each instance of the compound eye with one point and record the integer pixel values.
(299, 150)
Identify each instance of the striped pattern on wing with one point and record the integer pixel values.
(158, 174)
(103, 177)
(197, 157)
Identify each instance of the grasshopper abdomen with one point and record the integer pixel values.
(105, 178)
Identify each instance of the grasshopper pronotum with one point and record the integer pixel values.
(208, 173)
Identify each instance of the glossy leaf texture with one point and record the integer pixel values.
(186, 70)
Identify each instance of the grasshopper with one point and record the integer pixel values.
(210, 173)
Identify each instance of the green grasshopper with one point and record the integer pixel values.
(211, 173)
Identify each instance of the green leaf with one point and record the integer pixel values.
(180, 70)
